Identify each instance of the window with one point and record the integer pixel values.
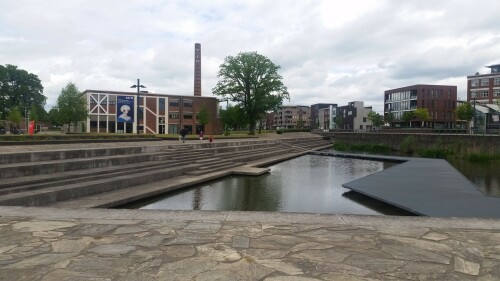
(496, 81)
(174, 103)
(473, 94)
(485, 82)
(474, 82)
(484, 93)
(173, 115)
(364, 120)
(162, 104)
(188, 103)
(188, 116)
(496, 92)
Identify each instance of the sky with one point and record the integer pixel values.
(328, 51)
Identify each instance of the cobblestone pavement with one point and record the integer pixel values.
(97, 244)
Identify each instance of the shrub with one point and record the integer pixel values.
(408, 145)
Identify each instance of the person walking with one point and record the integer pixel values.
(201, 135)
(183, 134)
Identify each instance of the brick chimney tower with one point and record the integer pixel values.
(197, 69)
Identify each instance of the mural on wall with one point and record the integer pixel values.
(125, 109)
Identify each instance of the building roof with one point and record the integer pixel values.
(143, 94)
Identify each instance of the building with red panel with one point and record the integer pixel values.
(439, 100)
(484, 88)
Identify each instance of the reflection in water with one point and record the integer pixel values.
(310, 183)
(485, 176)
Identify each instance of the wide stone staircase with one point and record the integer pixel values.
(104, 177)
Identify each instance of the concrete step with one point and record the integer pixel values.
(257, 156)
(89, 175)
(38, 156)
(51, 195)
(215, 168)
(57, 166)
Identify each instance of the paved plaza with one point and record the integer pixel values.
(43, 243)
(98, 244)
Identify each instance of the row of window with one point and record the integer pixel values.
(112, 101)
(186, 103)
(484, 93)
(484, 82)
(406, 95)
(433, 115)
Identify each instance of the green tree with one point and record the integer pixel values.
(408, 116)
(38, 113)
(389, 118)
(300, 124)
(53, 116)
(18, 88)
(339, 121)
(252, 81)
(15, 117)
(233, 117)
(71, 105)
(465, 112)
(422, 114)
(203, 117)
(375, 118)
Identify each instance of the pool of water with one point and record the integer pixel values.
(309, 183)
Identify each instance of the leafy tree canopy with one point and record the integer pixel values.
(465, 111)
(408, 116)
(233, 117)
(18, 88)
(71, 105)
(15, 117)
(422, 114)
(252, 81)
(376, 119)
(203, 116)
(389, 117)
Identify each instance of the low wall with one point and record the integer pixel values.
(477, 143)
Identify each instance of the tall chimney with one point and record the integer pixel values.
(197, 69)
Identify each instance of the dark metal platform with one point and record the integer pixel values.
(429, 187)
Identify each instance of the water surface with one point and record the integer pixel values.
(310, 183)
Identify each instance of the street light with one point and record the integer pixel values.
(474, 116)
(138, 86)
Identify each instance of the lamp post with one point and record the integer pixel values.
(474, 116)
(138, 86)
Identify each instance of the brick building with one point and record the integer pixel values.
(293, 117)
(439, 100)
(155, 113)
(119, 112)
(484, 88)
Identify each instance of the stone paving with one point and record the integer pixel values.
(98, 244)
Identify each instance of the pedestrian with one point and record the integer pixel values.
(211, 139)
(201, 135)
(183, 134)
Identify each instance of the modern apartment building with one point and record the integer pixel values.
(315, 112)
(439, 100)
(484, 88)
(326, 117)
(293, 117)
(119, 112)
(354, 116)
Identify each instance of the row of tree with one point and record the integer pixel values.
(21, 96)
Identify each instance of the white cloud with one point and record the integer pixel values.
(329, 51)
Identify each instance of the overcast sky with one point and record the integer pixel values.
(329, 51)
